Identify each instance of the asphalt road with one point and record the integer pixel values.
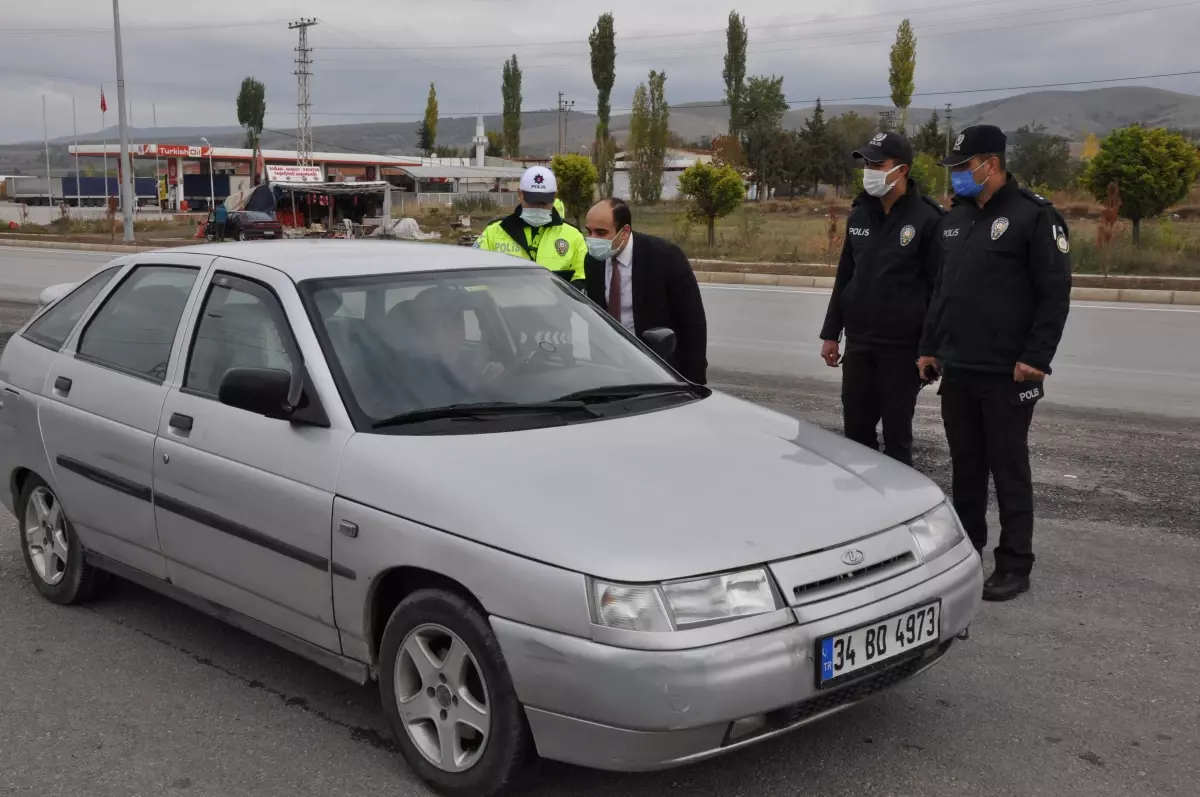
(1144, 358)
(25, 273)
(1086, 686)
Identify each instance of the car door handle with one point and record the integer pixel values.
(181, 422)
(63, 385)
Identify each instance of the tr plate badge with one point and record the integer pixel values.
(561, 246)
(999, 227)
(907, 234)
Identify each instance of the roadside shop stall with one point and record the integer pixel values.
(332, 210)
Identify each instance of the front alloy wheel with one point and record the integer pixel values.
(448, 697)
(442, 696)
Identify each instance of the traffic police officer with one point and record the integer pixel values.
(536, 230)
(884, 281)
(997, 316)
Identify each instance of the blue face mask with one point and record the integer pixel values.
(964, 183)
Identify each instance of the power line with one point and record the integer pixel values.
(709, 31)
(804, 102)
(859, 42)
(71, 31)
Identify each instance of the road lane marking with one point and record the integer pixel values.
(1083, 305)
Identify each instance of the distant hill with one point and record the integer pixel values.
(1073, 114)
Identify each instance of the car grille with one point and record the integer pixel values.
(853, 692)
(902, 559)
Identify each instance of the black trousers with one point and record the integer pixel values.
(989, 432)
(880, 384)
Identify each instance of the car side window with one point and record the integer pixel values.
(135, 328)
(242, 325)
(54, 326)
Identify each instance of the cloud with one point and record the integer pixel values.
(374, 59)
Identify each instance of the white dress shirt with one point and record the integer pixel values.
(624, 261)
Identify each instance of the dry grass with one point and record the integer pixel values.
(796, 232)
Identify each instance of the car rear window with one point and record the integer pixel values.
(256, 215)
(54, 326)
(135, 329)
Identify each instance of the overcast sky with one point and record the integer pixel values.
(374, 59)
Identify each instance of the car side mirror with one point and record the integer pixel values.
(263, 391)
(661, 341)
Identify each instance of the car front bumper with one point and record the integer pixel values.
(627, 710)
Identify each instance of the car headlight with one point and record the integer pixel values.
(936, 532)
(680, 605)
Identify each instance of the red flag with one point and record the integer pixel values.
(103, 104)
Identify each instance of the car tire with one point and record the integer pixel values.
(242, 236)
(62, 580)
(434, 620)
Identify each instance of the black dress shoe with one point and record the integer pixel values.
(1002, 586)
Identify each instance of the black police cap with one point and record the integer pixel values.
(885, 146)
(975, 140)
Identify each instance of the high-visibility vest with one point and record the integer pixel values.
(558, 246)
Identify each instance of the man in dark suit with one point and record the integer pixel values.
(645, 282)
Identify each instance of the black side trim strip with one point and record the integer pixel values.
(110, 480)
(344, 572)
(241, 532)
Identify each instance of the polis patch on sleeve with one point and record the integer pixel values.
(561, 246)
(1060, 239)
(907, 234)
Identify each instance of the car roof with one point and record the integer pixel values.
(307, 259)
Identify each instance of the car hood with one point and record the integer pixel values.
(713, 485)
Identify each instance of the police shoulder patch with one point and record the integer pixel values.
(907, 234)
(1064, 245)
(999, 227)
(561, 246)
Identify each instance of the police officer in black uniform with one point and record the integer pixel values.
(884, 281)
(998, 312)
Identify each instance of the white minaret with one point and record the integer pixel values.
(480, 141)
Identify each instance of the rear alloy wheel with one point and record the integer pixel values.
(242, 236)
(448, 698)
(51, 549)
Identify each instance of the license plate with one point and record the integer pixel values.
(269, 234)
(850, 652)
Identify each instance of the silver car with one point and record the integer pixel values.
(446, 470)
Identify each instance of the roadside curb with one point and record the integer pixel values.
(1122, 295)
(77, 247)
(1125, 295)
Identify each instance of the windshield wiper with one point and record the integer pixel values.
(617, 392)
(479, 410)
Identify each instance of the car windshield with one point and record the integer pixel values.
(402, 344)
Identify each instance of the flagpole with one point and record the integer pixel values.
(78, 179)
(104, 127)
(154, 121)
(46, 138)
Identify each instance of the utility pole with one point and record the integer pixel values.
(949, 127)
(49, 180)
(78, 179)
(564, 110)
(124, 164)
(304, 99)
